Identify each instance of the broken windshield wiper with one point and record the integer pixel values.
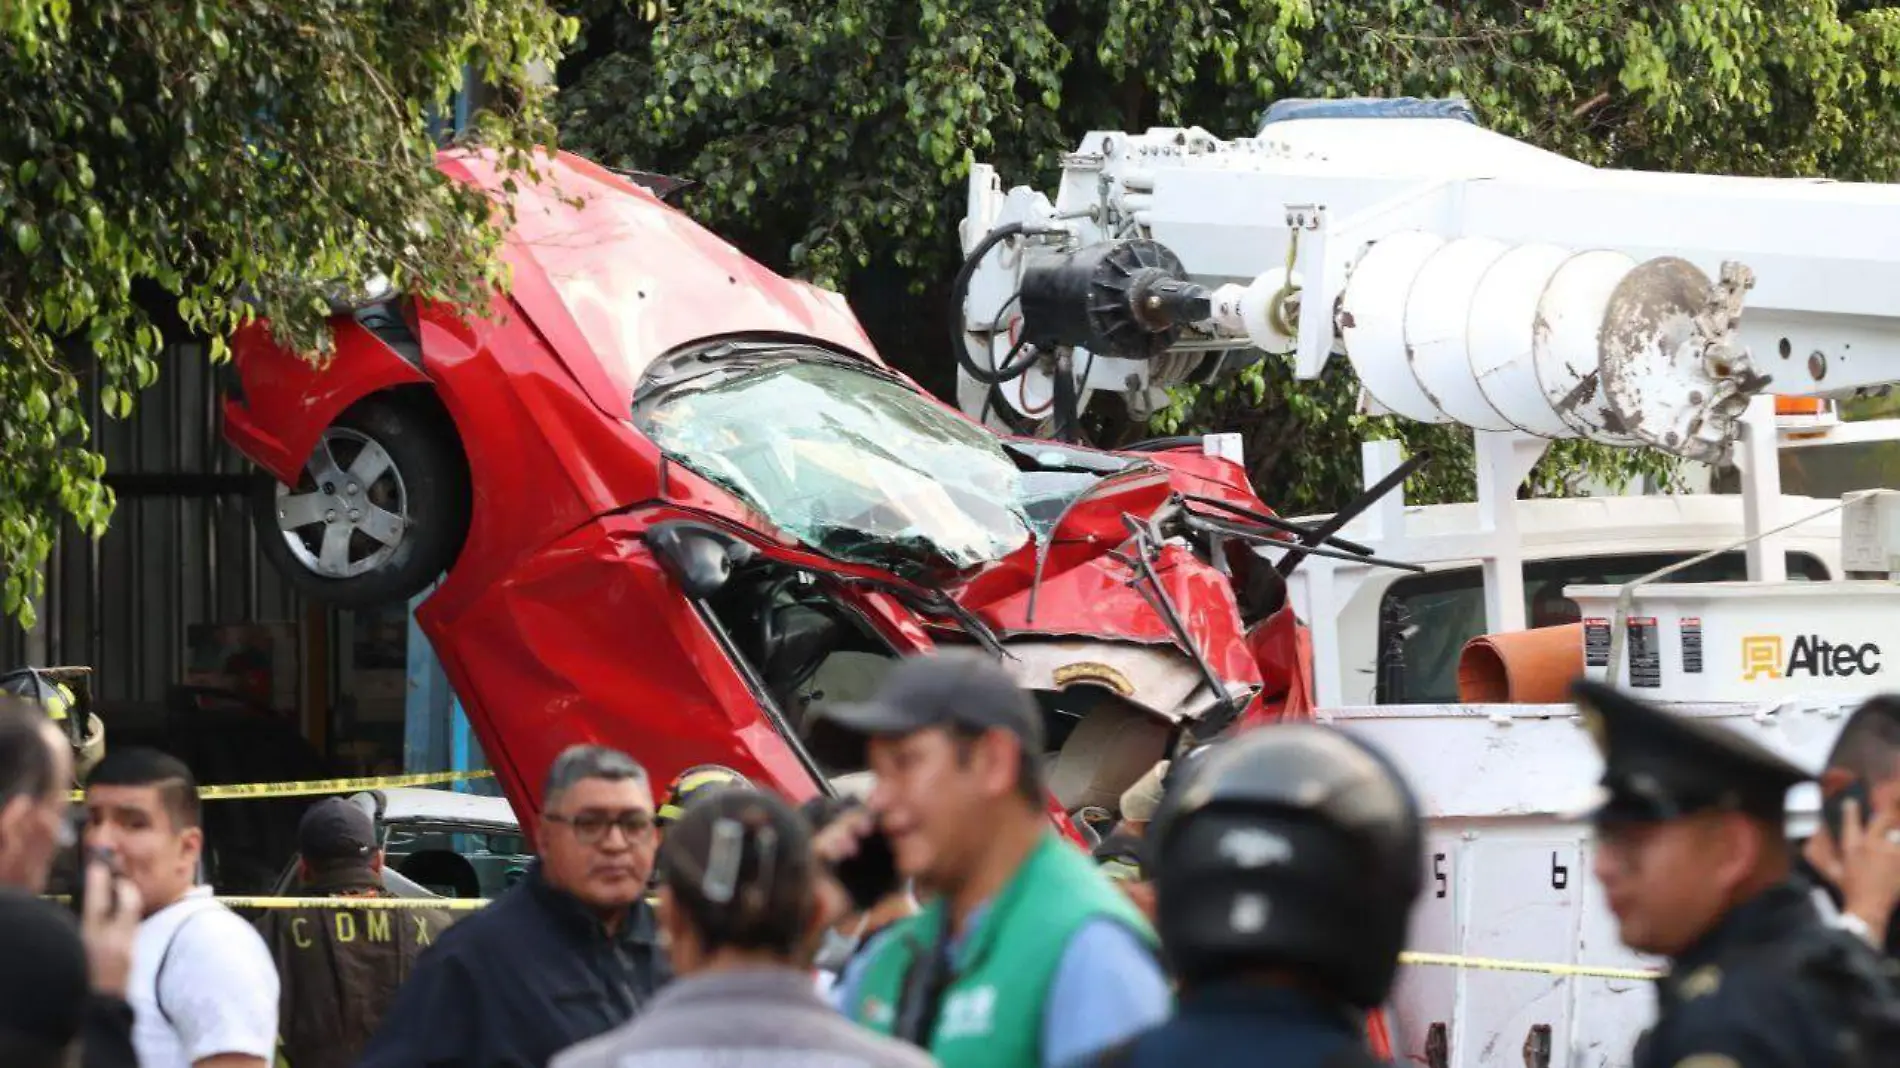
(1276, 523)
(1210, 525)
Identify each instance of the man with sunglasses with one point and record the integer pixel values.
(569, 953)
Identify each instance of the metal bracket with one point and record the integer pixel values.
(1437, 1047)
(1537, 1047)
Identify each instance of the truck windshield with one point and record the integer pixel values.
(850, 462)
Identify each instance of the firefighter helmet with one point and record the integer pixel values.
(48, 690)
(692, 783)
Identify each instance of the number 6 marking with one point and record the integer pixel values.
(1559, 873)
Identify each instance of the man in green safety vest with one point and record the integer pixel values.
(1025, 956)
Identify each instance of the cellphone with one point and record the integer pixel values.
(869, 875)
(1833, 807)
(82, 857)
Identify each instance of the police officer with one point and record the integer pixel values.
(339, 968)
(1694, 861)
(1286, 864)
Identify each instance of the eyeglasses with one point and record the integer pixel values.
(590, 828)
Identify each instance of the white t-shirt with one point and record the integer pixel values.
(219, 986)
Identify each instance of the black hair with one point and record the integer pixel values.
(578, 762)
(1869, 745)
(822, 810)
(740, 867)
(1031, 775)
(26, 1051)
(139, 766)
(26, 760)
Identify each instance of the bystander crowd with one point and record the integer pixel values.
(739, 905)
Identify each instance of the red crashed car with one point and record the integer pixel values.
(675, 501)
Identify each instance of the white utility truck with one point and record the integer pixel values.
(1475, 280)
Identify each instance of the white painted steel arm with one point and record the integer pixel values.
(1471, 278)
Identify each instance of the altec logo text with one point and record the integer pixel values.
(1812, 656)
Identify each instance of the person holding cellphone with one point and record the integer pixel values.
(1854, 859)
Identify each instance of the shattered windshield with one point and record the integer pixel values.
(852, 463)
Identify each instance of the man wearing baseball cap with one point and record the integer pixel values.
(1025, 955)
(339, 967)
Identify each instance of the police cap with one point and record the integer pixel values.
(336, 831)
(1661, 766)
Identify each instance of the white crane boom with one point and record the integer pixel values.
(1468, 277)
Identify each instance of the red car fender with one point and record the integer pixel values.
(542, 459)
(526, 661)
(296, 399)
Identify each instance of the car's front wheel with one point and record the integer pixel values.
(380, 510)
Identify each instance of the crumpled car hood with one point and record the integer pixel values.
(1075, 610)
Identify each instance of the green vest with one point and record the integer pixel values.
(991, 1014)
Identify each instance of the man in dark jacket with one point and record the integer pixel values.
(35, 771)
(569, 953)
(1853, 859)
(1692, 859)
(43, 983)
(339, 968)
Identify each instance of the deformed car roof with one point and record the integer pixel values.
(614, 279)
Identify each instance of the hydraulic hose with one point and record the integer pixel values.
(1012, 368)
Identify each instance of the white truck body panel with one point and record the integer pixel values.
(1508, 874)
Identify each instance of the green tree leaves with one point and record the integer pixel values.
(831, 135)
(236, 159)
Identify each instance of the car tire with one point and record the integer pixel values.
(380, 510)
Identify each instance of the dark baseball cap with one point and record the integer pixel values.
(335, 830)
(43, 981)
(944, 689)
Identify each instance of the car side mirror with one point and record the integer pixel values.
(700, 558)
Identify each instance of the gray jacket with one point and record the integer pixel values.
(769, 1018)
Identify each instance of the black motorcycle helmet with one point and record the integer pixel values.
(1294, 846)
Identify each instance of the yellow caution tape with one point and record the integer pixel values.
(1452, 960)
(469, 903)
(318, 787)
(1446, 960)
